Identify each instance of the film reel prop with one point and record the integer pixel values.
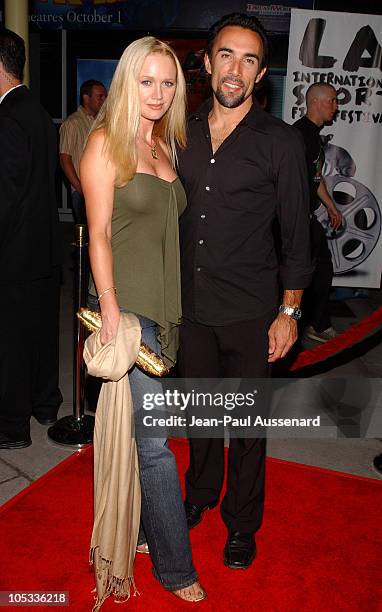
(361, 227)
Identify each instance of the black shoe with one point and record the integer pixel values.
(239, 550)
(6, 442)
(47, 421)
(194, 514)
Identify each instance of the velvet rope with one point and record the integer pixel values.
(355, 334)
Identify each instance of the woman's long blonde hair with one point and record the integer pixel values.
(121, 113)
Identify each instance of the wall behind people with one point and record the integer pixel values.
(46, 37)
(54, 50)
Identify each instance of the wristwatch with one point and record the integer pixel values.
(295, 313)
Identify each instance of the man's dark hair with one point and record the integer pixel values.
(262, 92)
(243, 21)
(12, 53)
(87, 88)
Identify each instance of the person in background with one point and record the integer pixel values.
(133, 200)
(73, 134)
(321, 104)
(30, 254)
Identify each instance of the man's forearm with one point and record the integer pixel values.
(324, 196)
(292, 297)
(70, 172)
(334, 214)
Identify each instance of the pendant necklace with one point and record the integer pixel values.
(153, 149)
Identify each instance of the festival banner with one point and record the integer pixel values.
(154, 15)
(325, 47)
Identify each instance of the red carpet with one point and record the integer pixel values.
(319, 548)
(346, 339)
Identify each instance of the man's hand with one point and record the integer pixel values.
(335, 217)
(68, 169)
(282, 335)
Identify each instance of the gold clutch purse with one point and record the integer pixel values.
(147, 359)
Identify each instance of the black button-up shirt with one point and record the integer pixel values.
(230, 267)
(314, 155)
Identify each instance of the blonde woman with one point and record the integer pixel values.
(133, 200)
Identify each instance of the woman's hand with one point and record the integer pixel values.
(110, 320)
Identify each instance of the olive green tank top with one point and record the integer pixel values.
(145, 245)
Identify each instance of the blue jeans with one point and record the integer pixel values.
(162, 513)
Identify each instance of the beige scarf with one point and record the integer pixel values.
(117, 494)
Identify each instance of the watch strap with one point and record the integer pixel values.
(291, 311)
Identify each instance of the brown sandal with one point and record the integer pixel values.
(143, 549)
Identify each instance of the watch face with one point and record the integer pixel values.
(295, 313)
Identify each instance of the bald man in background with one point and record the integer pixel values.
(321, 103)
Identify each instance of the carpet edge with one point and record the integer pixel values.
(56, 468)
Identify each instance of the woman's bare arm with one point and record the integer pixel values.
(97, 181)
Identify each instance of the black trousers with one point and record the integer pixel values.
(232, 351)
(29, 358)
(316, 299)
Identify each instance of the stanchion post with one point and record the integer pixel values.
(79, 332)
(77, 429)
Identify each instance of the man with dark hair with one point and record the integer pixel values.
(12, 54)
(240, 20)
(321, 104)
(29, 254)
(92, 95)
(73, 134)
(242, 170)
